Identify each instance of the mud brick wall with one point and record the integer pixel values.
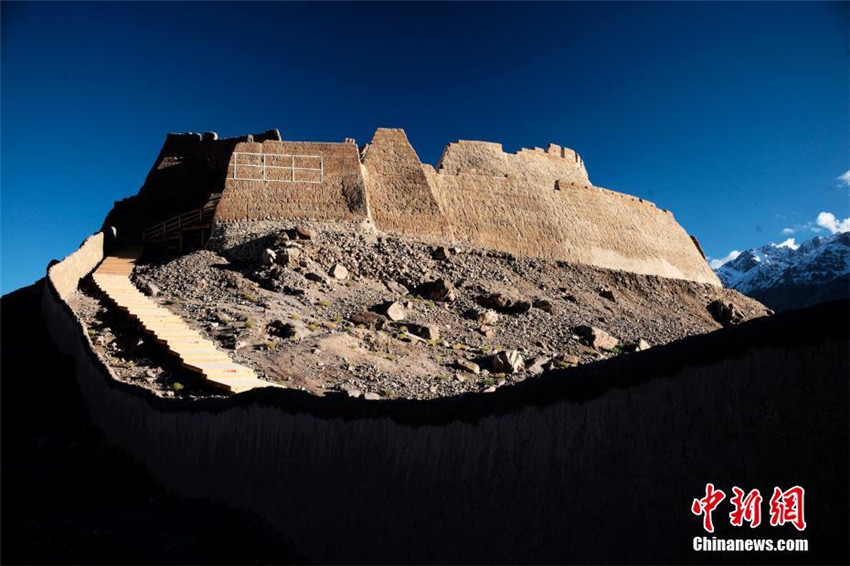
(400, 196)
(335, 193)
(189, 169)
(535, 202)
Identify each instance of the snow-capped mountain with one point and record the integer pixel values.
(786, 276)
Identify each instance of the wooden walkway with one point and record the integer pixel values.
(196, 353)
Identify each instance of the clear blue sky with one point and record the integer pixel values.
(732, 115)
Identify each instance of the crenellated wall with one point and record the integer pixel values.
(535, 202)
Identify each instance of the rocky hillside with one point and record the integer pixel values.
(786, 276)
(328, 309)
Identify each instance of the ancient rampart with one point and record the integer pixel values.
(277, 180)
(536, 202)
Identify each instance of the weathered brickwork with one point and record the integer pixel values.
(535, 202)
(321, 181)
(400, 197)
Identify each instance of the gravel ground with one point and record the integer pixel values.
(298, 325)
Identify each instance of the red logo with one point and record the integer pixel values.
(706, 505)
(746, 508)
(785, 507)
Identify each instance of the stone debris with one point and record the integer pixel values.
(338, 271)
(370, 320)
(442, 253)
(725, 313)
(596, 338)
(395, 287)
(487, 318)
(149, 289)
(608, 294)
(393, 310)
(269, 257)
(467, 365)
(437, 290)
(288, 256)
(342, 343)
(424, 331)
(507, 361)
(503, 303)
(287, 330)
(303, 233)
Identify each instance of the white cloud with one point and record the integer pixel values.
(845, 179)
(830, 222)
(789, 243)
(787, 231)
(715, 263)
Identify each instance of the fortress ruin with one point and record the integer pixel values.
(535, 202)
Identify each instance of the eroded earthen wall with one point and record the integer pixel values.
(277, 180)
(535, 202)
(400, 197)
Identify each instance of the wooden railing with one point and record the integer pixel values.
(174, 227)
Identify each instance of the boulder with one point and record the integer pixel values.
(503, 303)
(370, 320)
(537, 365)
(149, 289)
(393, 310)
(507, 361)
(544, 305)
(287, 330)
(441, 253)
(608, 294)
(288, 256)
(338, 271)
(466, 365)
(425, 331)
(725, 313)
(563, 360)
(437, 290)
(488, 317)
(395, 287)
(596, 338)
(314, 276)
(269, 257)
(638, 346)
(303, 233)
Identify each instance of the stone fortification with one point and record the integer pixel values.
(277, 180)
(535, 202)
(400, 196)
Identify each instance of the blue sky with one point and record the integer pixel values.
(733, 115)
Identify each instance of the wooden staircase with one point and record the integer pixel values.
(174, 228)
(196, 353)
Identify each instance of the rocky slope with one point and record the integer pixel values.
(786, 277)
(337, 310)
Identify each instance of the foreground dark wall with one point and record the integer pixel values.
(594, 464)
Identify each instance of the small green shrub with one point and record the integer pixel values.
(250, 297)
